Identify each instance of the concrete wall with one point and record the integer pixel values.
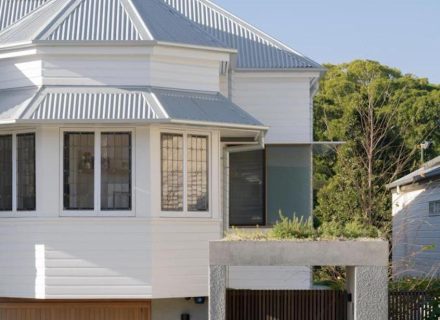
(416, 235)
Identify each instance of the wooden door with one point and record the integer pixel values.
(26, 309)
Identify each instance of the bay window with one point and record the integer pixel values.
(184, 172)
(105, 184)
(17, 167)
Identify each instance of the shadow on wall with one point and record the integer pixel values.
(416, 234)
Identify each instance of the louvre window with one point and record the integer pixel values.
(26, 172)
(79, 171)
(116, 171)
(6, 173)
(184, 172)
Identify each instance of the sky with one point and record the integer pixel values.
(404, 34)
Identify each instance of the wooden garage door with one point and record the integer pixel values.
(19, 309)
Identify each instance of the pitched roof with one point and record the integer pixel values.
(194, 22)
(429, 170)
(150, 104)
(12, 11)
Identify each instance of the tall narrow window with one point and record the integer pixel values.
(197, 173)
(6, 173)
(172, 172)
(79, 171)
(26, 172)
(116, 171)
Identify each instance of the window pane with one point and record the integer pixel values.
(246, 188)
(79, 170)
(289, 177)
(116, 171)
(25, 172)
(197, 168)
(6, 173)
(172, 172)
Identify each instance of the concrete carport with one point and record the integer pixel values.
(366, 262)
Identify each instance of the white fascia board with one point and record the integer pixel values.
(141, 122)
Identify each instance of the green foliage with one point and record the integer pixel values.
(382, 116)
(331, 277)
(349, 230)
(300, 229)
(295, 228)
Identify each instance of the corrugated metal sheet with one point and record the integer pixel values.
(429, 170)
(201, 106)
(13, 10)
(72, 104)
(166, 24)
(255, 49)
(29, 27)
(120, 104)
(97, 20)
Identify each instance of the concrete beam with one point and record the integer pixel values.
(299, 253)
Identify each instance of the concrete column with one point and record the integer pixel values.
(217, 292)
(369, 289)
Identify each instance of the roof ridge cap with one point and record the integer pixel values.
(26, 17)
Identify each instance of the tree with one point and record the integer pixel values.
(382, 116)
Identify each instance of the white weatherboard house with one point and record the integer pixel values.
(416, 222)
(132, 132)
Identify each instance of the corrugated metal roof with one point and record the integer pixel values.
(429, 170)
(80, 103)
(33, 24)
(255, 49)
(166, 24)
(97, 20)
(205, 107)
(91, 104)
(195, 22)
(13, 10)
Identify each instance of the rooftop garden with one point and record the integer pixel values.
(305, 229)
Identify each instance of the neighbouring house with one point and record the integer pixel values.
(416, 222)
(132, 132)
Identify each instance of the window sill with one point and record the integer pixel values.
(94, 214)
(180, 214)
(18, 214)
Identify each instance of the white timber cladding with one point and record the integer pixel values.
(281, 101)
(416, 234)
(165, 66)
(142, 256)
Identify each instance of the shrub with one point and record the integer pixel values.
(295, 228)
(350, 230)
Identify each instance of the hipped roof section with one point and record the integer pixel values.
(73, 104)
(187, 22)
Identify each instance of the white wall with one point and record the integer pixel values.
(161, 66)
(414, 232)
(281, 101)
(144, 256)
(172, 309)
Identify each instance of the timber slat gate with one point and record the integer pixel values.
(409, 305)
(286, 305)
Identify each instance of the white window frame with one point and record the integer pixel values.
(14, 213)
(185, 213)
(97, 212)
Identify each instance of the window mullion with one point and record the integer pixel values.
(185, 173)
(97, 173)
(14, 172)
